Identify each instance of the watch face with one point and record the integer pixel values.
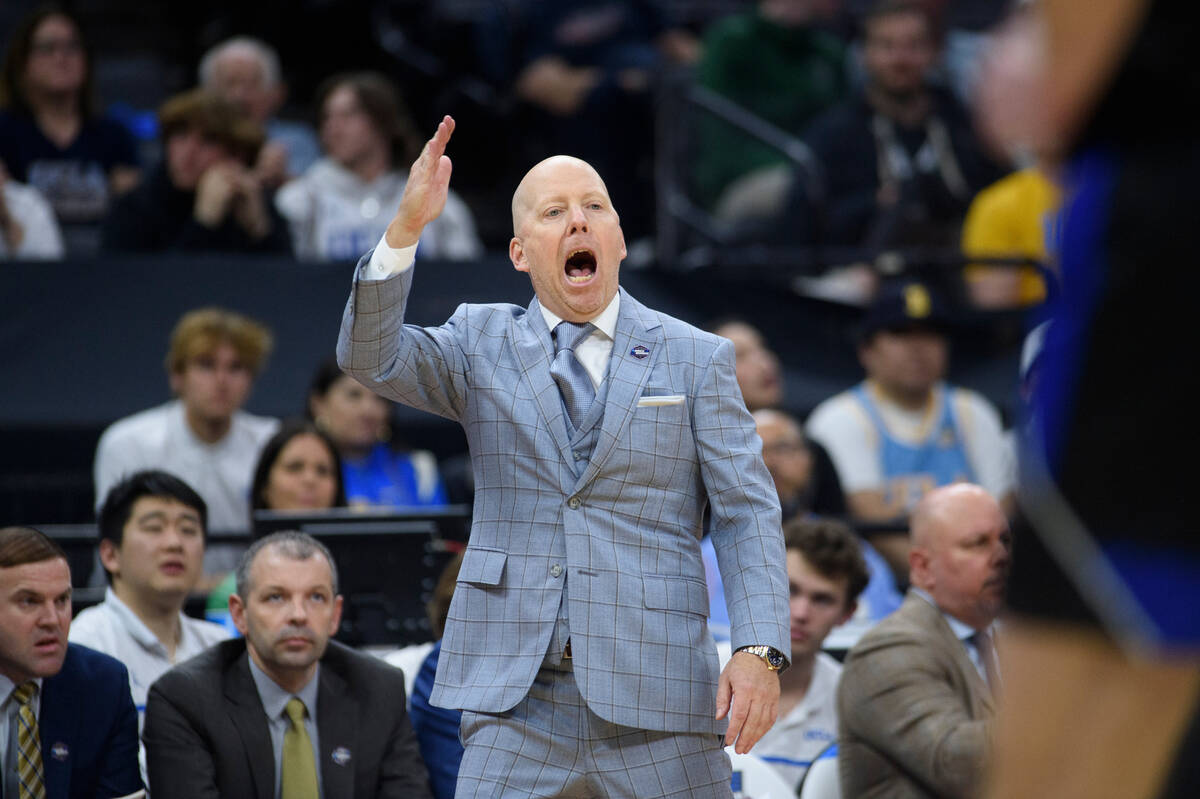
(775, 658)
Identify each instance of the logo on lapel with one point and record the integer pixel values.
(340, 756)
(640, 352)
(60, 751)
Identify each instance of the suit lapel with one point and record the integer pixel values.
(626, 378)
(535, 351)
(980, 694)
(58, 726)
(246, 711)
(337, 722)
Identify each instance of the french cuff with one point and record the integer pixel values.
(387, 260)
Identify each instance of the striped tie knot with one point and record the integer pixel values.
(25, 692)
(567, 335)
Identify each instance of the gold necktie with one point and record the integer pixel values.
(987, 653)
(298, 779)
(31, 780)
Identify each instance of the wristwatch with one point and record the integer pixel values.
(770, 655)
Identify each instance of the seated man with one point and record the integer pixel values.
(916, 703)
(246, 72)
(283, 711)
(69, 728)
(202, 436)
(826, 573)
(204, 197)
(902, 431)
(901, 160)
(152, 547)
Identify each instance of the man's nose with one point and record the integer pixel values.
(578, 219)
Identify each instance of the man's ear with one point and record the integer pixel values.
(174, 380)
(516, 254)
(110, 556)
(849, 612)
(918, 567)
(237, 612)
(336, 619)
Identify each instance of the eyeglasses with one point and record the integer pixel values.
(52, 46)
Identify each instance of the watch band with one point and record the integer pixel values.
(774, 659)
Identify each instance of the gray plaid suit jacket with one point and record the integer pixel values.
(625, 532)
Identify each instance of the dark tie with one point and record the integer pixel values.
(987, 654)
(573, 380)
(298, 768)
(32, 783)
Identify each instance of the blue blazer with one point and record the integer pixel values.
(89, 729)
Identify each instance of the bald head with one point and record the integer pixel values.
(961, 551)
(540, 177)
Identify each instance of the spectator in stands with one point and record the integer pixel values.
(437, 727)
(341, 206)
(51, 134)
(152, 530)
(28, 230)
(588, 68)
(826, 574)
(376, 472)
(902, 431)
(55, 691)
(901, 160)
(916, 700)
(802, 487)
(202, 436)
(758, 374)
(298, 470)
(1012, 218)
(776, 61)
(246, 72)
(205, 195)
(256, 710)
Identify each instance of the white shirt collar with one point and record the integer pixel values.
(962, 631)
(137, 628)
(605, 322)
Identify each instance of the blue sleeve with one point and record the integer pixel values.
(437, 730)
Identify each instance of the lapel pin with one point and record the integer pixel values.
(60, 751)
(341, 756)
(639, 352)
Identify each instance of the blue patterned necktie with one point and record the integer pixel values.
(573, 380)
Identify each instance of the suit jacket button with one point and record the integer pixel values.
(573, 503)
(555, 570)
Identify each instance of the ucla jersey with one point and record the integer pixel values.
(912, 469)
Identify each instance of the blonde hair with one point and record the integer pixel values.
(201, 331)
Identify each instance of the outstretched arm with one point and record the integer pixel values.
(425, 193)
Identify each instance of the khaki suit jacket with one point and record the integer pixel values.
(914, 713)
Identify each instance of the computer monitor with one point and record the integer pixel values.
(389, 561)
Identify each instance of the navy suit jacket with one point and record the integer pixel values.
(89, 729)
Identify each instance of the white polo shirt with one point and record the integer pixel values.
(112, 628)
(791, 745)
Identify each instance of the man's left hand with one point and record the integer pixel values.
(749, 692)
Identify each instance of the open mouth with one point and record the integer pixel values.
(580, 267)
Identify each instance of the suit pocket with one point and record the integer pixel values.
(482, 566)
(683, 594)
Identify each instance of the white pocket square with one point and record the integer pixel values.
(664, 399)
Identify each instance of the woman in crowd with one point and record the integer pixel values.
(51, 137)
(340, 207)
(298, 470)
(375, 472)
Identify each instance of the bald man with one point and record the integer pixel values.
(606, 439)
(916, 701)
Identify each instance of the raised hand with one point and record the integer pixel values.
(425, 193)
